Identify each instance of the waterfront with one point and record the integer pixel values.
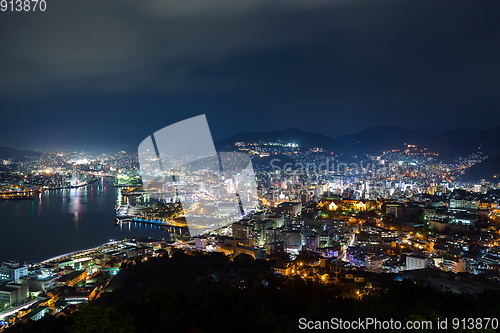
(64, 220)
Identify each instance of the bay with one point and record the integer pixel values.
(65, 220)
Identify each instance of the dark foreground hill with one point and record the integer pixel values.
(209, 293)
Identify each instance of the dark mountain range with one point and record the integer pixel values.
(16, 154)
(464, 141)
(375, 140)
(449, 144)
(293, 135)
(488, 169)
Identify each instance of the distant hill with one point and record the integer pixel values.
(448, 144)
(375, 140)
(464, 141)
(293, 135)
(488, 169)
(16, 154)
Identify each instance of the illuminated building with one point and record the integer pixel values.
(13, 293)
(36, 314)
(414, 262)
(275, 248)
(71, 279)
(290, 208)
(12, 271)
(374, 263)
(291, 239)
(39, 282)
(312, 243)
(458, 266)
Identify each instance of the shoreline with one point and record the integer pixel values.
(29, 193)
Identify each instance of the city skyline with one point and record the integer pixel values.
(271, 165)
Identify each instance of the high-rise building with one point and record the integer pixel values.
(13, 294)
(414, 262)
(374, 263)
(458, 266)
(312, 243)
(12, 271)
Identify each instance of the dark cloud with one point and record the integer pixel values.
(329, 66)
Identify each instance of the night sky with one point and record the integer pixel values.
(102, 75)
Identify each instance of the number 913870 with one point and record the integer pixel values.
(23, 5)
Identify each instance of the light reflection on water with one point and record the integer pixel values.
(60, 221)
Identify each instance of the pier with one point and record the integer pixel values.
(18, 195)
